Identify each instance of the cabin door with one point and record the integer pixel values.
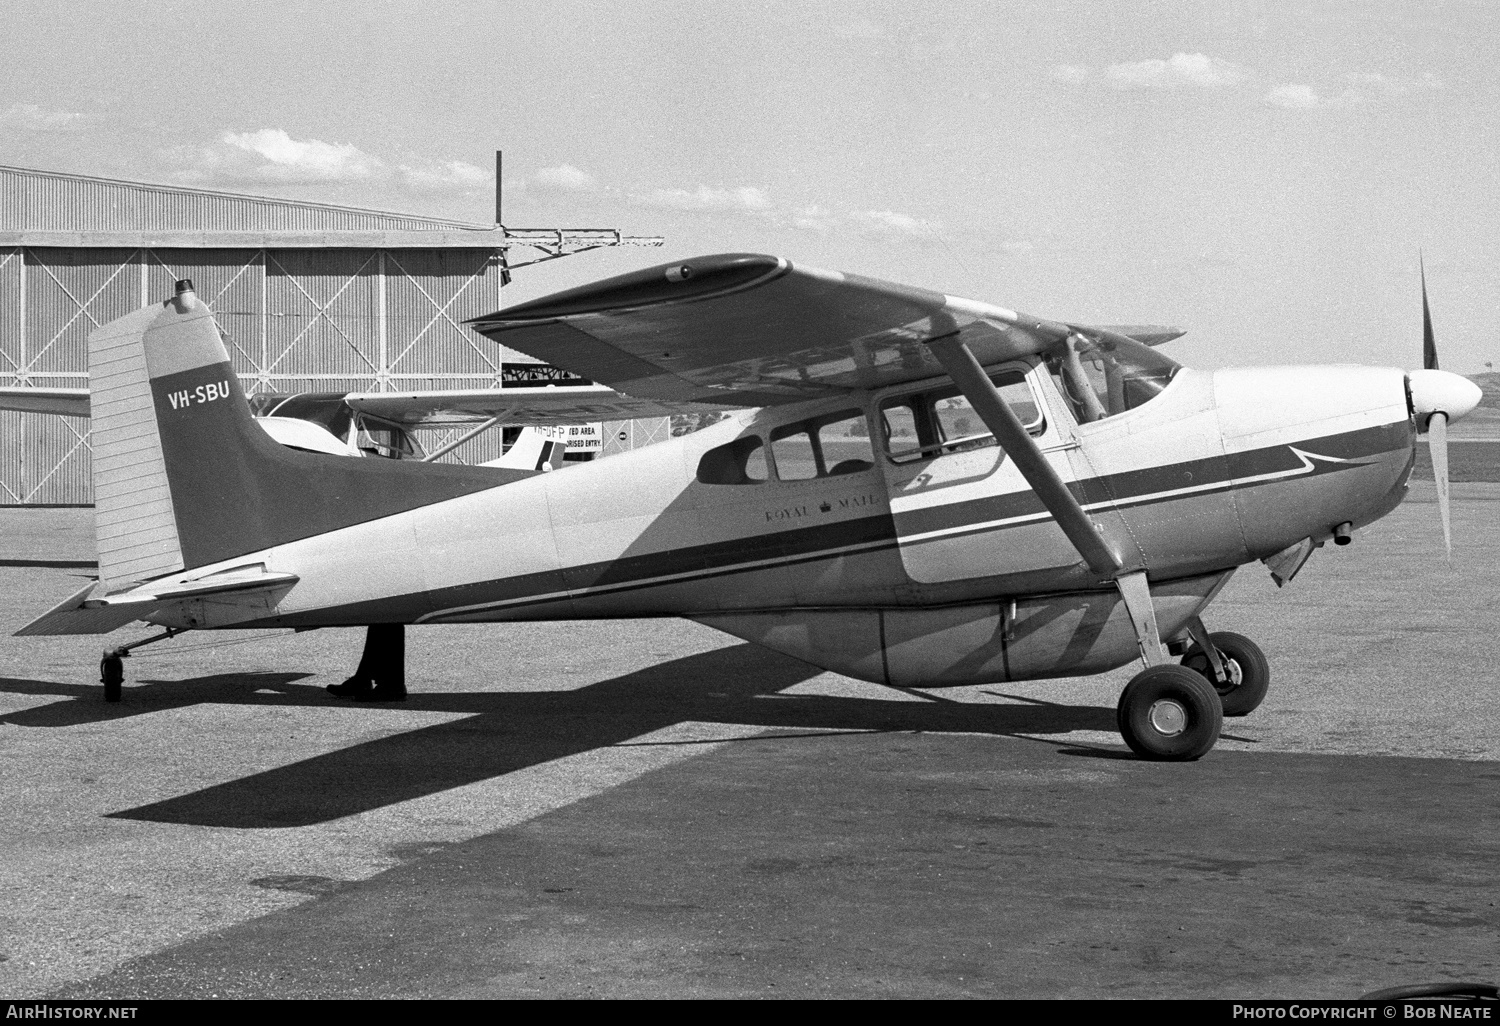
(961, 508)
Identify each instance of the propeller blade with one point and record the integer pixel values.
(1429, 343)
(1437, 445)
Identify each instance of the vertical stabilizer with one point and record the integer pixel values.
(184, 477)
(133, 519)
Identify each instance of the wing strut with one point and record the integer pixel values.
(985, 398)
(1018, 445)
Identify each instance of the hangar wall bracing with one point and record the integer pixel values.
(311, 298)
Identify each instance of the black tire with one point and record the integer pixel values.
(1169, 713)
(1249, 673)
(112, 676)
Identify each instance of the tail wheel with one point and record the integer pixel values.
(1249, 673)
(1169, 713)
(112, 676)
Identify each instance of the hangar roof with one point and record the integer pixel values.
(50, 208)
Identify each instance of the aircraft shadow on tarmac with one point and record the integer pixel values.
(507, 731)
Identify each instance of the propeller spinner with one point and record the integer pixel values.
(1438, 398)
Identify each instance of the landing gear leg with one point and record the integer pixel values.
(381, 674)
(1167, 712)
(112, 670)
(1233, 664)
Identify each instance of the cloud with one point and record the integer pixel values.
(1367, 84)
(884, 224)
(747, 201)
(1294, 96)
(276, 156)
(1181, 70)
(448, 174)
(889, 222)
(1356, 87)
(30, 118)
(742, 198)
(812, 218)
(271, 155)
(565, 178)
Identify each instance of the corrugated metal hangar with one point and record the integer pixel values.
(312, 297)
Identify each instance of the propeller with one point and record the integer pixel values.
(1438, 397)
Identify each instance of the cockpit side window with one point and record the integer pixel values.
(1103, 377)
(378, 437)
(844, 440)
(939, 421)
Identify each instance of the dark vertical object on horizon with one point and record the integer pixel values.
(498, 166)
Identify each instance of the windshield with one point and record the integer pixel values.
(326, 409)
(1101, 377)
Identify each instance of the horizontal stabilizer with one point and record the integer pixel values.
(73, 616)
(87, 613)
(239, 581)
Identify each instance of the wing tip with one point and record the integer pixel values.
(694, 278)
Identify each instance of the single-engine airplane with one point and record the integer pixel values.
(919, 491)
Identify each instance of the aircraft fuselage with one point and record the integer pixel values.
(893, 571)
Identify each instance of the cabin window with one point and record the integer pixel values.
(844, 440)
(1103, 377)
(826, 446)
(742, 461)
(939, 421)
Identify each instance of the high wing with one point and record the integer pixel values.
(64, 402)
(749, 329)
(546, 405)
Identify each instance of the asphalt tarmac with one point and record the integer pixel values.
(648, 808)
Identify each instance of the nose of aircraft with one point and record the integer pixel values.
(1315, 446)
(1438, 391)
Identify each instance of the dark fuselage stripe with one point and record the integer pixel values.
(1151, 485)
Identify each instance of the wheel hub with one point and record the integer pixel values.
(1233, 672)
(1168, 717)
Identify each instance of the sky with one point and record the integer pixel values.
(1261, 174)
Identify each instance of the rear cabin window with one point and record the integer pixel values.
(929, 424)
(742, 461)
(827, 446)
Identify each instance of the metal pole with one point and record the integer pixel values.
(498, 168)
(445, 450)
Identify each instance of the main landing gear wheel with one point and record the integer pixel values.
(1249, 673)
(1169, 713)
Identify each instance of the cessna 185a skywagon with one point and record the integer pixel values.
(919, 490)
